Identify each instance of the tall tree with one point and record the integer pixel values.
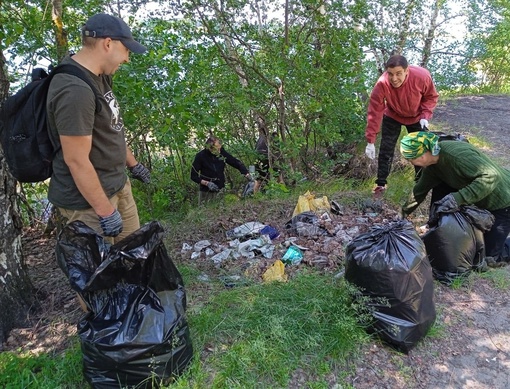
(16, 290)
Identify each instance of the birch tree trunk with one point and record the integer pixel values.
(16, 290)
(60, 32)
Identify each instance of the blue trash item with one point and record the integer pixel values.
(389, 264)
(135, 333)
(271, 231)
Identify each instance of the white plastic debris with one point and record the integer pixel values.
(249, 228)
(220, 257)
(201, 244)
(186, 247)
(195, 254)
(246, 249)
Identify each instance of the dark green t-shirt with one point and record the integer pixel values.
(71, 110)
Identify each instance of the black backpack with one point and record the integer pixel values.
(24, 129)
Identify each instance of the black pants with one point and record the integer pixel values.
(390, 132)
(496, 236)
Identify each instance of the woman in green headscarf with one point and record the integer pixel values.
(473, 178)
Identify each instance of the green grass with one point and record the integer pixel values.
(246, 337)
(43, 371)
(500, 277)
(258, 335)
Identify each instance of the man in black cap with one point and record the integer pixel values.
(89, 181)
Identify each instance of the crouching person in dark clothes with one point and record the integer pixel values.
(474, 178)
(208, 169)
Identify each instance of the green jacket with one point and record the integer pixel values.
(479, 181)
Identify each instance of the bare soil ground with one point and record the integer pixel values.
(469, 348)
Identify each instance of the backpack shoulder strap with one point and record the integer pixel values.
(77, 72)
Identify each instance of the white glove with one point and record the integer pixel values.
(370, 150)
(424, 123)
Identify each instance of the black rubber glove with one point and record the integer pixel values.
(111, 225)
(141, 173)
(213, 187)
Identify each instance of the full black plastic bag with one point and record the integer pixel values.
(136, 333)
(389, 265)
(455, 245)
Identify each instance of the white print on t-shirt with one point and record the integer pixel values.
(117, 122)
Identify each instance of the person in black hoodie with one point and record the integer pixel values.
(208, 169)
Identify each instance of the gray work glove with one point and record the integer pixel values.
(446, 205)
(249, 177)
(213, 187)
(112, 224)
(140, 172)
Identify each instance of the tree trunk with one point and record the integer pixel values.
(427, 47)
(60, 33)
(16, 290)
(404, 27)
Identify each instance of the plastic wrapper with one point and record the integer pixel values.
(455, 246)
(308, 203)
(135, 333)
(305, 224)
(389, 265)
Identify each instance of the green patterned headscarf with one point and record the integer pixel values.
(415, 144)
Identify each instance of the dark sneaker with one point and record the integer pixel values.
(491, 262)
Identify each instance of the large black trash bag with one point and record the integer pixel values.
(136, 333)
(390, 267)
(455, 245)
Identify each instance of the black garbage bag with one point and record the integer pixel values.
(455, 245)
(444, 136)
(135, 333)
(389, 265)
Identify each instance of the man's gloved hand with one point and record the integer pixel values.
(213, 187)
(424, 123)
(112, 224)
(140, 172)
(249, 177)
(370, 150)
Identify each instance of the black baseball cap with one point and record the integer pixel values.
(108, 26)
